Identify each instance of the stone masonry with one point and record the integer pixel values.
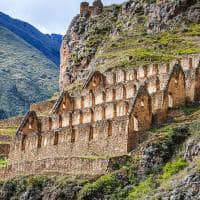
(106, 119)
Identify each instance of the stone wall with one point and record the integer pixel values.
(86, 10)
(63, 166)
(11, 122)
(42, 107)
(4, 150)
(101, 138)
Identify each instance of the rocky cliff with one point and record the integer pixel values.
(134, 33)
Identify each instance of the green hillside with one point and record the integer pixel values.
(26, 75)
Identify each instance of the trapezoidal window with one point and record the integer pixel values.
(190, 63)
(82, 102)
(73, 136)
(134, 89)
(114, 94)
(23, 144)
(126, 108)
(39, 141)
(91, 133)
(176, 82)
(170, 100)
(64, 105)
(142, 103)
(81, 117)
(157, 84)
(109, 128)
(56, 137)
(135, 123)
(50, 123)
(124, 92)
(60, 121)
(30, 123)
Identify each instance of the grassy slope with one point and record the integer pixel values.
(26, 75)
(147, 48)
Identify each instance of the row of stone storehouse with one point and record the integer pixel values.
(110, 114)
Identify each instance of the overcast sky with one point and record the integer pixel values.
(50, 16)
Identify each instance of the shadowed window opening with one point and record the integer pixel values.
(56, 137)
(91, 133)
(39, 143)
(82, 102)
(60, 121)
(50, 123)
(73, 136)
(124, 92)
(157, 84)
(23, 144)
(190, 63)
(109, 128)
(134, 89)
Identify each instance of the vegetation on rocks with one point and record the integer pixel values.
(133, 34)
(172, 168)
(146, 48)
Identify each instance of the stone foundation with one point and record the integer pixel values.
(64, 166)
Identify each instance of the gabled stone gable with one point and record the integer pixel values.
(95, 80)
(30, 124)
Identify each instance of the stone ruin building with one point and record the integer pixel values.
(105, 120)
(86, 10)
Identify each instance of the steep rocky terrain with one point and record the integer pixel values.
(26, 75)
(49, 45)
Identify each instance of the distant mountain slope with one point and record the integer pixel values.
(26, 75)
(49, 45)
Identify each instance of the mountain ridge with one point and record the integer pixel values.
(49, 45)
(26, 75)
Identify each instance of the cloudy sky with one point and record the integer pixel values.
(50, 16)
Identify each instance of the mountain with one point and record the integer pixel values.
(49, 45)
(26, 74)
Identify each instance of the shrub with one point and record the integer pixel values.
(198, 163)
(172, 168)
(140, 191)
(104, 185)
(3, 163)
(37, 181)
